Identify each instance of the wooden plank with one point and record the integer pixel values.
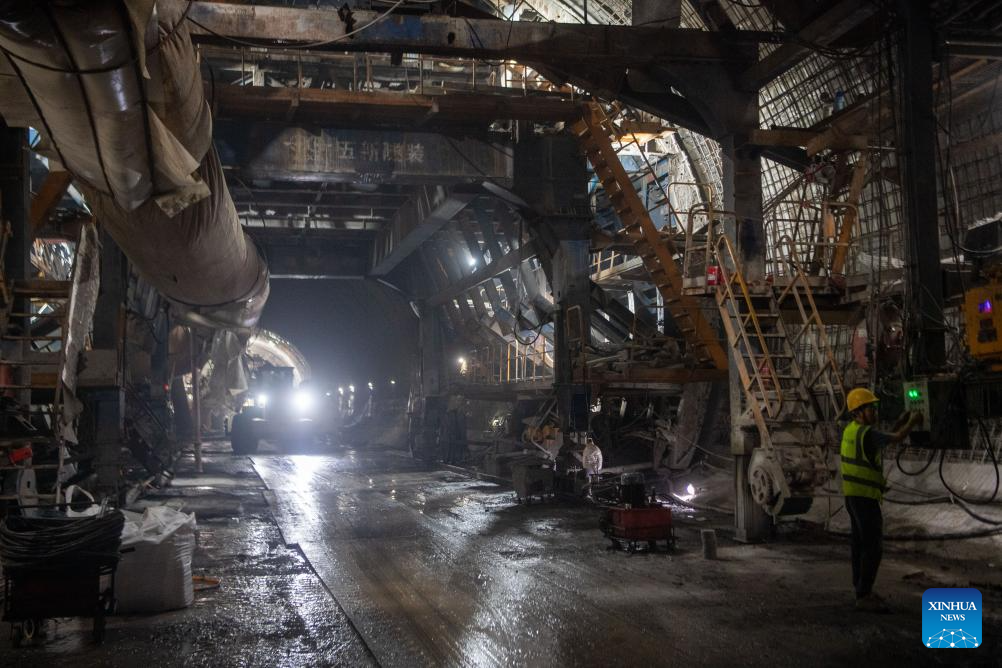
(836, 139)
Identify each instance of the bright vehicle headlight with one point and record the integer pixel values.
(262, 400)
(302, 401)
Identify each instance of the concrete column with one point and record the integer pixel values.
(742, 183)
(14, 200)
(917, 156)
(109, 311)
(550, 175)
(572, 318)
(432, 383)
(430, 343)
(14, 207)
(742, 194)
(160, 368)
(106, 401)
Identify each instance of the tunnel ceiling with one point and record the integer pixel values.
(309, 166)
(323, 182)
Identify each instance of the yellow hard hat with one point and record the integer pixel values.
(860, 397)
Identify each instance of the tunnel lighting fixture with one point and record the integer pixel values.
(303, 401)
(472, 261)
(392, 382)
(262, 400)
(351, 388)
(328, 394)
(690, 491)
(371, 386)
(340, 390)
(461, 361)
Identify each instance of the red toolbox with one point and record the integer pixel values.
(630, 526)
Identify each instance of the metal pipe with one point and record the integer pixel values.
(196, 397)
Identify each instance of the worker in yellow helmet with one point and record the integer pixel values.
(863, 485)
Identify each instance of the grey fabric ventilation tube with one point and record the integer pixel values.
(116, 94)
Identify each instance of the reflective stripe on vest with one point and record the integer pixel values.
(860, 476)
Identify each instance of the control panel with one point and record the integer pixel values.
(983, 320)
(941, 401)
(917, 399)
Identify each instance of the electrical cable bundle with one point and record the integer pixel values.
(31, 543)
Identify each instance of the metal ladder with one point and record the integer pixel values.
(657, 252)
(825, 378)
(774, 387)
(35, 378)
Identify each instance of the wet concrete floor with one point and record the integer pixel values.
(437, 569)
(362, 558)
(269, 610)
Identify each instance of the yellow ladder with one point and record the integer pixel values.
(593, 132)
(825, 375)
(765, 357)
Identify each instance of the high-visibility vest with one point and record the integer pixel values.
(860, 476)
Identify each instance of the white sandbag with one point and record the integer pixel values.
(154, 575)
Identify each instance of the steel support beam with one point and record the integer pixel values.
(483, 274)
(14, 196)
(493, 246)
(47, 198)
(966, 46)
(917, 155)
(341, 108)
(822, 31)
(439, 252)
(459, 36)
(505, 319)
(416, 222)
(326, 261)
(452, 255)
(572, 320)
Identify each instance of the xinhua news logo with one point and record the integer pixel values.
(951, 618)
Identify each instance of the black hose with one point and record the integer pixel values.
(998, 477)
(942, 478)
(925, 502)
(897, 460)
(931, 537)
(985, 520)
(31, 543)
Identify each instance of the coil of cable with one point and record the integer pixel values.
(48, 543)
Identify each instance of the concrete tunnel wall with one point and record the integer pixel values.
(120, 104)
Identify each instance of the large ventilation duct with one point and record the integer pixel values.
(117, 96)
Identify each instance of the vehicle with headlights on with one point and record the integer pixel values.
(275, 410)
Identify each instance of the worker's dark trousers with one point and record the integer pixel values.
(867, 541)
